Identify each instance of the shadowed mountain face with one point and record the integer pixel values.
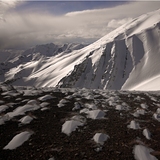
(127, 58)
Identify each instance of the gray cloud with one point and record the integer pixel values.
(19, 30)
(6, 5)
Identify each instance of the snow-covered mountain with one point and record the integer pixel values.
(23, 61)
(127, 58)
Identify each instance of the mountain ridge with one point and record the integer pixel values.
(127, 58)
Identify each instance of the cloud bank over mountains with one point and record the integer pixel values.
(20, 29)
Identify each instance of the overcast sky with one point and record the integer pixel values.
(27, 23)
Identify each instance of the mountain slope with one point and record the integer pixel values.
(127, 58)
(17, 68)
(123, 59)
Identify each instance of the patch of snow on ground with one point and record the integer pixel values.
(32, 102)
(144, 106)
(89, 97)
(147, 134)
(79, 118)
(44, 104)
(18, 140)
(134, 125)
(143, 153)
(69, 97)
(112, 103)
(4, 118)
(26, 119)
(139, 112)
(85, 110)
(62, 103)
(69, 126)
(98, 149)
(153, 99)
(114, 99)
(91, 106)
(18, 99)
(51, 158)
(96, 114)
(45, 98)
(100, 138)
(3, 108)
(119, 107)
(31, 92)
(44, 108)
(156, 104)
(135, 114)
(156, 116)
(22, 110)
(10, 93)
(1, 120)
(138, 98)
(158, 110)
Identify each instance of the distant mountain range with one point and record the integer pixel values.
(128, 58)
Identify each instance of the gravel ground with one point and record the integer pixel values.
(48, 141)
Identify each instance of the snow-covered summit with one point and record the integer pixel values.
(127, 58)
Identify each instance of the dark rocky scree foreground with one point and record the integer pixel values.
(48, 141)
